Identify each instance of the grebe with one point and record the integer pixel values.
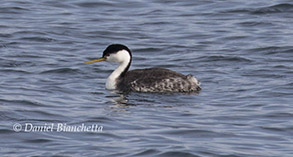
(144, 80)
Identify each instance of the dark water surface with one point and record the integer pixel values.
(241, 51)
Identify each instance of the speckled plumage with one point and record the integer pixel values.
(157, 80)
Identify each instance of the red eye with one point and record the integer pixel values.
(107, 54)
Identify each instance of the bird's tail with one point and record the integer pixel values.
(192, 79)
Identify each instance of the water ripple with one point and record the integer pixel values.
(224, 58)
(279, 8)
(61, 71)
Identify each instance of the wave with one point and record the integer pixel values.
(273, 50)
(37, 39)
(278, 8)
(61, 71)
(13, 10)
(215, 58)
(22, 102)
(94, 4)
(15, 71)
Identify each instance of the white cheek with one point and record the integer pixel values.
(112, 58)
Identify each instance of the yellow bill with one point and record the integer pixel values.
(96, 60)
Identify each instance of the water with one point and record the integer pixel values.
(241, 51)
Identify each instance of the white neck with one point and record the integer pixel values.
(123, 58)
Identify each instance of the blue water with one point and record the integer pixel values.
(241, 51)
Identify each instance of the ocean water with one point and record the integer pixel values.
(241, 51)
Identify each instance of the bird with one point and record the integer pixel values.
(150, 80)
